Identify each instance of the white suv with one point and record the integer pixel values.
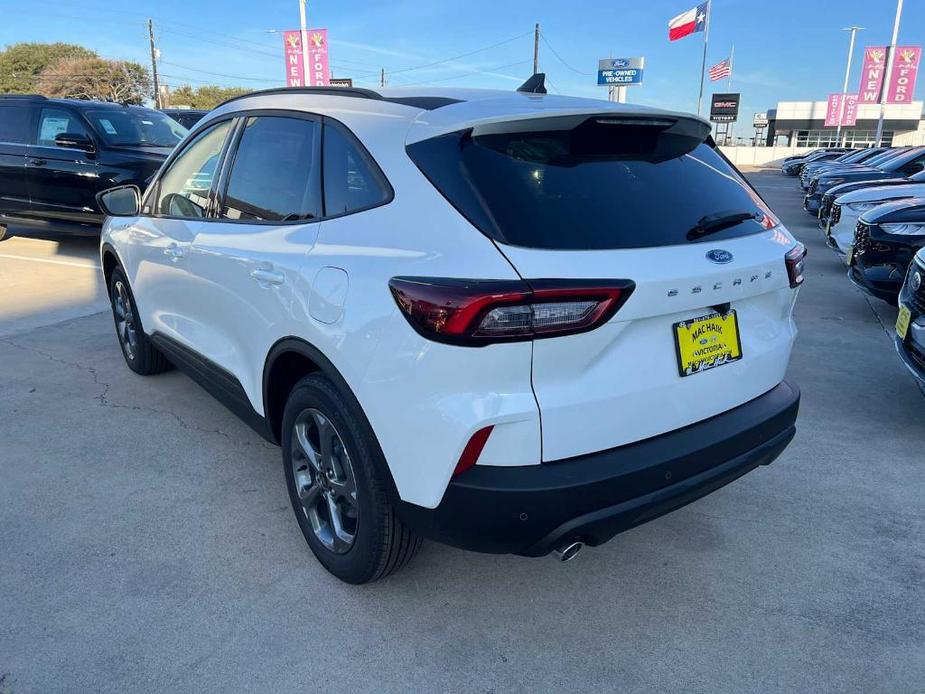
(510, 322)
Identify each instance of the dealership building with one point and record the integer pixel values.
(802, 124)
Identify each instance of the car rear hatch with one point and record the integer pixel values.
(603, 197)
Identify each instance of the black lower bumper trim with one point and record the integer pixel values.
(530, 510)
(878, 281)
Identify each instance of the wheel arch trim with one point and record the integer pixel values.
(298, 345)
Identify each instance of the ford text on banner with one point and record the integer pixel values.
(872, 74)
(905, 70)
(319, 73)
(292, 51)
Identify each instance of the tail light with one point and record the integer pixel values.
(795, 259)
(481, 312)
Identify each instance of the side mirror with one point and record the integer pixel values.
(121, 201)
(74, 141)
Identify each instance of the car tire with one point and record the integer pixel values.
(333, 470)
(4, 232)
(141, 356)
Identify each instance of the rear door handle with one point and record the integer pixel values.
(174, 252)
(265, 277)
(38, 162)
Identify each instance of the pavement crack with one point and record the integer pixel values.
(103, 397)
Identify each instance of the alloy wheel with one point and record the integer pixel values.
(126, 326)
(324, 481)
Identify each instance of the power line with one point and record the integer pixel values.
(462, 55)
(561, 59)
(220, 74)
(467, 74)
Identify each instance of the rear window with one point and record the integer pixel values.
(14, 123)
(135, 127)
(600, 185)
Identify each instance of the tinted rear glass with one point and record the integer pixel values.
(566, 189)
(14, 123)
(135, 127)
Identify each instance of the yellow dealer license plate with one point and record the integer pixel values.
(902, 323)
(707, 342)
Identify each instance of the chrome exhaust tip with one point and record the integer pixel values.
(568, 551)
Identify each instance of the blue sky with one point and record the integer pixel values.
(784, 50)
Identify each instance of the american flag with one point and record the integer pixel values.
(721, 70)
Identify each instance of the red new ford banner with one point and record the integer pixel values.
(872, 74)
(902, 78)
(319, 73)
(292, 50)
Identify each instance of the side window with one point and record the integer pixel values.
(183, 190)
(914, 166)
(55, 121)
(14, 123)
(352, 181)
(275, 174)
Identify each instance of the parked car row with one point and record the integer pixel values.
(57, 154)
(871, 207)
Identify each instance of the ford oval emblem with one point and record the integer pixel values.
(916, 282)
(718, 255)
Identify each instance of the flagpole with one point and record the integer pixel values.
(731, 55)
(703, 65)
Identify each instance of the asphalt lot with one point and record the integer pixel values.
(147, 543)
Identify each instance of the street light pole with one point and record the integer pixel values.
(841, 108)
(890, 55)
(304, 28)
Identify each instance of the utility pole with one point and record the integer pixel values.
(536, 48)
(157, 89)
(890, 55)
(304, 29)
(841, 108)
(382, 78)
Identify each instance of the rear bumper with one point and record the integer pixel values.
(530, 510)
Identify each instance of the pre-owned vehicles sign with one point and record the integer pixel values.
(620, 72)
(724, 108)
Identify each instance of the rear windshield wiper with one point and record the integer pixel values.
(710, 224)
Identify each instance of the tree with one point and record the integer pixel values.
(95, 78)
(206, 97)
(21, 63)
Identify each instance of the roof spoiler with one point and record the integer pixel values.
(535, 84)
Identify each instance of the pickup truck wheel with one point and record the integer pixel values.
(336, 490)
(141, 356)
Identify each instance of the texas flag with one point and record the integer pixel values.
(688, 22)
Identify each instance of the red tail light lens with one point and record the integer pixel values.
(795, 260)
(479, 312)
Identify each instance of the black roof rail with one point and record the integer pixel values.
(357, 92)
(23, 96)
(535, 84)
